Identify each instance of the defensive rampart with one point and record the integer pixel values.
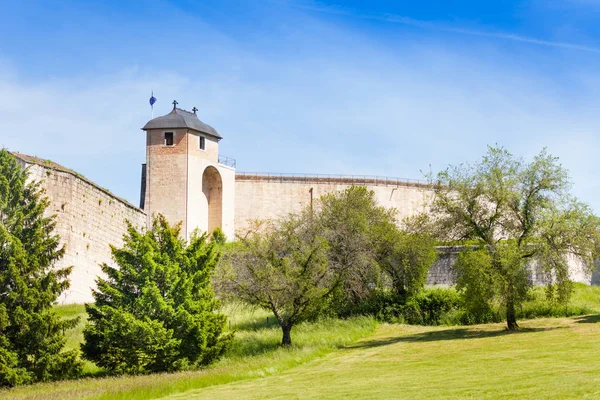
(89, 219)
(265, 196)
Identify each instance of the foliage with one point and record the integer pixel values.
(328, 259)
(357, 230)
(156, 311)
(429, 307)
(406, 260)
(516, 211)
(254, 353)
(31, 334)
(218, 236)
(281, 267)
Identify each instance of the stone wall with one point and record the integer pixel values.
(270, 196)
(441, 272)
(89, 219)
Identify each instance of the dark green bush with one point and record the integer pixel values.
(435, 303)
(157, 311)
(446, 306)
(429, 307)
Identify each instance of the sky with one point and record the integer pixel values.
(387, 88)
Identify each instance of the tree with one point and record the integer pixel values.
(515, 212)
(282, 267)
(359, 233)
(31, 333)
(156, 311)
(406, 257)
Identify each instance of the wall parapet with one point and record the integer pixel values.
(48, 164)
(370, 180)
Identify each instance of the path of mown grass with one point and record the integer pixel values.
(255, 353)
(548, 358)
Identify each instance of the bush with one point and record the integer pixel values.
(446, 306)
(429, 307)
(157, 311)
(435, 303)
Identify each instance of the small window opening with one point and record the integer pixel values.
(202, 142)
(168, 138)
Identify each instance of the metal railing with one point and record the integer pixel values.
(330, 178)
(228, 161)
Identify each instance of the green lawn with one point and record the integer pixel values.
(255, 353)
(548, 358)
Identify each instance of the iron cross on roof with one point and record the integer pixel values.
(175, 103)
(194, 110)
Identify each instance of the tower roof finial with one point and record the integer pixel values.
(194, 110)
(175, 104)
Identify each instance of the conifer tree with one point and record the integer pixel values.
(31, 333)
(156, 311)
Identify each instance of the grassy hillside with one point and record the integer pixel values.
(255, 353)
(548, 358)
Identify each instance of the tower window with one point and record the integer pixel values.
(201, 142)
(168, 138)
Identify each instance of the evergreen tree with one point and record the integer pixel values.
(31, 334)
(157, 310)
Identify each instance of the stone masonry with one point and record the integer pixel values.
(89, 219)
(185, 179)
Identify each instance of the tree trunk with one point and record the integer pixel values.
(286, 340)
(511, 316)
(399, 288)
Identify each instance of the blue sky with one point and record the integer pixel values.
(388, 88)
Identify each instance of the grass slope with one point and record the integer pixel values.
(548, 358)
(255, 353)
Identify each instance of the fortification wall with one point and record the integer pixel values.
(441, 272)
(89, 219)
(270, 196)
(260, 196)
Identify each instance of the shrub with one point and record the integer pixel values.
(157, 311)
(429, 307)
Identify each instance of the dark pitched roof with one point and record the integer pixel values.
(179, 118)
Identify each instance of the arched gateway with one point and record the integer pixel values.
(212, 187)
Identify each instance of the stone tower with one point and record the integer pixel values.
(183, 178)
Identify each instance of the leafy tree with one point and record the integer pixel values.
(282, 267)
(517, 211)
(31, 333)
(156, 311)
(365, 242)
(359, 232)
(406, 257)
